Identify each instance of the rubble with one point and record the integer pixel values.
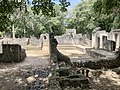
(63, 74)
(31, 79)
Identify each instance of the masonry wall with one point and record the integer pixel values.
(12, 53)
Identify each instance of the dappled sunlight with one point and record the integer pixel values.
(112, 76)
(35, 51)
(103, 80)
(70, 50)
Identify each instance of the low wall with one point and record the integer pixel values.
(99, 63)
(61, 76)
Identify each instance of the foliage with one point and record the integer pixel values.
(108, 14)
(47, 6)
(6, 8)
(88, 14)
(41, 7)
(82, 18)
(43, 15)
(33, 25)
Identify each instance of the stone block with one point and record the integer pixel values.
(31, 79)
(109, 45)
(74, 81)
(12, 53)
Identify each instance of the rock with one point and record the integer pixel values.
(45, 79)
(36, 76)
(31, 79)
(77, 79)
(19, 80)
(49, 75)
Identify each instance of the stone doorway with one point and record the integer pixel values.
(104, 39)
(98, 42)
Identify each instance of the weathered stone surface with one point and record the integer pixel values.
(54, 83)
(34, 41)
(12, 53)
(117, 70)
(1, 48)
(109, 45)
(64, 71)
(100, 61)
(21, 41)
(55, 54)
(31, 79)
(74, 81)
(63, 76)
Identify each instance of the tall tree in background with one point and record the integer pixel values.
(81, 17)
(38, 24)
(46, 7)
(88, 14)
(108, 14)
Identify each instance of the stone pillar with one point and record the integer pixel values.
(96, 43)
(56, 56)
(101, 42)
(113, 37)
(93, 40)
(1, 51)
(117, 41)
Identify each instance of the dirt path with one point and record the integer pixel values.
(70, 50)
(12, 74)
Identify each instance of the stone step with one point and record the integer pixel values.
(100, 53)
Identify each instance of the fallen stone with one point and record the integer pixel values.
(45, 79)
(36, 76)
(31, 79)
(19, 81)
(77, 79)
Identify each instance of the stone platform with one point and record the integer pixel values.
(98, 59)
(100, 53)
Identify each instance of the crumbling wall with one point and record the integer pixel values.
(109, 45)
(12, 53)
(100, 62)
(62, 76)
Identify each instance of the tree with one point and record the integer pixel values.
(81, 17)
(7, 7)
(108, 14)
(35, 25)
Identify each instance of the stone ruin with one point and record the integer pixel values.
(63, 76)
(104, 40)
(10, 50)
(104, 52)
(72, 38)
(12, 53)
(63, 73)
(69, 38)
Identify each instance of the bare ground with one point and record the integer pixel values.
(12, 74)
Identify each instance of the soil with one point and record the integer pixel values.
(13, 76)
